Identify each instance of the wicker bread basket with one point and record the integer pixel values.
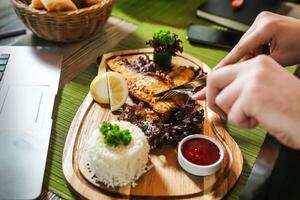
(66, 26)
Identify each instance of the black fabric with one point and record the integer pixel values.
(284, 182)
(246, 14)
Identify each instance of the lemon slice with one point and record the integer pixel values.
(99, 89)
(118, 90)
(109, 88)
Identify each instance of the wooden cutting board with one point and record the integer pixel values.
(166, 179)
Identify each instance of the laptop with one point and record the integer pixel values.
(29, 80)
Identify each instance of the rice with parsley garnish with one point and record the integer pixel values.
(118, 153)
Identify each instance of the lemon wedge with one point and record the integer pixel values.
(109, 88)
(118, 90)
(99, 89)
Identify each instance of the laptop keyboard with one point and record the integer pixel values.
(3, 62)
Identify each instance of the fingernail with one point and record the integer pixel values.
(194, 97)
(200, 95)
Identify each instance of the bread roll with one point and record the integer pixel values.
(59, 5)
(87, 3)
(37, 4)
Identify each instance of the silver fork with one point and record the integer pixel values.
(175, 92)
(187, 89)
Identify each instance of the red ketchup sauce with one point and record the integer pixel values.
(200, 151)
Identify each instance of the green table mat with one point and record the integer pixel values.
(176, 13)
(150, 16)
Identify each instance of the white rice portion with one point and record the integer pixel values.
(122, 165)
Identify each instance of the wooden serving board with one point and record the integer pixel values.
(166, 179)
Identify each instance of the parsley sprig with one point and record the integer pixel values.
(113, 136)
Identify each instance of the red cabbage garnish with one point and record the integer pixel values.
(183, 121)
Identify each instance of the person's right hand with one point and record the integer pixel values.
(280, 33)
(258, 90)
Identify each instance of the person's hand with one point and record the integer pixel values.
(281, 35)
(258, 90)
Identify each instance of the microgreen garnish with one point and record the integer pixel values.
(165, 42)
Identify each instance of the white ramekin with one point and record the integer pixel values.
(199, 170)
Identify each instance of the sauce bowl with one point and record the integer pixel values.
(197, 169)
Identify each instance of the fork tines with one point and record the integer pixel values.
(188, 88)
(173, 93)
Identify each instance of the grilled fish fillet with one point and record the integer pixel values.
(144, 86)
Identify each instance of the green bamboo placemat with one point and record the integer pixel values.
(67, 103)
